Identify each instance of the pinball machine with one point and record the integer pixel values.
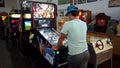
(43, 25)
(100, 47)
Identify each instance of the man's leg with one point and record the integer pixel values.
(78, 61)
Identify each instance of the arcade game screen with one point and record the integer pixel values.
(27, 25)
(43, 10)
(3, 17)
(14, 21)
(14, 25)
(42, 23)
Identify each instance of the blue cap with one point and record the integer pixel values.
(71, 8)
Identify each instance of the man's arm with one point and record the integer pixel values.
(60, 40)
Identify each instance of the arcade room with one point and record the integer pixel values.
(59, 33)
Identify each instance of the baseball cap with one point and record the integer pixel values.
(71, 8)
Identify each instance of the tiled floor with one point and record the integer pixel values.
(11, 57)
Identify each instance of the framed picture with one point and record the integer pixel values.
(49, 0)
(81, 1)
(91, 0)
(61, 2)
(75, 2)
(114, 3)
(2, 4)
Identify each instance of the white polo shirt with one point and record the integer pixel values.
(76, 35)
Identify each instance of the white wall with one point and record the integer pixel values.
(13, 4)
(96, 7)
(9, 4)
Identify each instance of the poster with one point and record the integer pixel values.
(81, 1)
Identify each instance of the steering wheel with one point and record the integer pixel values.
(99, 44)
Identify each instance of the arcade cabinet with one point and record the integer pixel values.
(118, 29)
(13, 29)
(80, 14)
(25, 27)
(101, 22)
(85, 15)
(0, 26)
(112, 27)
(4, 24)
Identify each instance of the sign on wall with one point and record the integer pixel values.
(2, 4)
(114, 3)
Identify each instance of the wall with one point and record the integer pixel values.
(38, 0)
(9, 4)
(96, 7)
(12, 4)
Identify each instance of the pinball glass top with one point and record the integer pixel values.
(51, 35)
